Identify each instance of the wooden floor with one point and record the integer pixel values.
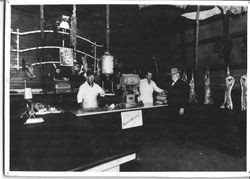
(170, 154)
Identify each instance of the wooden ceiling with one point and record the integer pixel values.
(131, 27)
(167, 17)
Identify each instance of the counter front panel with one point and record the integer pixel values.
(62, 143)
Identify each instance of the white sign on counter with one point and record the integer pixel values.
(131, 119)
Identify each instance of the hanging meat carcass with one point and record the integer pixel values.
(98, 67)
(208, 99)
(29, 71)
(73, 28)
(184, 76)
(243, 84)
(84, 65)
(192, 94)
(75, 69)
(229, 81)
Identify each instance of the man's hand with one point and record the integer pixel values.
(181, 111)
(102, 94)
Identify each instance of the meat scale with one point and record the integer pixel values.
(130, 84)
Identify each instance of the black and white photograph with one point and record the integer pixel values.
(125, 88)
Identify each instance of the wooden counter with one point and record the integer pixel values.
(82, 140)
(95, 111)
(65, 143)
(77, 140)
(111, 123)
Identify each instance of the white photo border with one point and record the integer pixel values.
(6, 63)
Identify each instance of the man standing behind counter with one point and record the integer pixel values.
(147, 87)
(88, 92)
(179, 91)
(178, 94)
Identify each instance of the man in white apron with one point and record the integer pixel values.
(147, 87)
(88, 92)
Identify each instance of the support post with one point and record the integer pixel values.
(17, 47)
(226, 37)
(183, 55)
(95, 60)
(107, 27)
(196, 38)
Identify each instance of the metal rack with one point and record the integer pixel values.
(18, 50)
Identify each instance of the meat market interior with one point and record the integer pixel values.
(126, 87)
